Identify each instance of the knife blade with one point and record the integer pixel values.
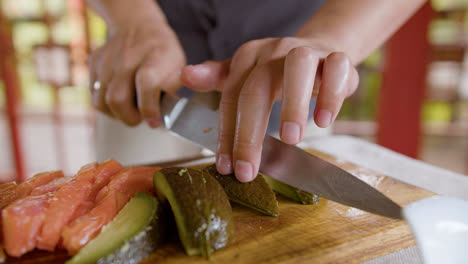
(289, 164)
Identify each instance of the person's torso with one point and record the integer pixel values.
(219, 27)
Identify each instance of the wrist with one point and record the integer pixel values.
(145, 19)
(122, 14)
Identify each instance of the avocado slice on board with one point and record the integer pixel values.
(135, 232)
(291, 192)
(200, 206)
(256, 194)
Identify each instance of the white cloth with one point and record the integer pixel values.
(390, 163)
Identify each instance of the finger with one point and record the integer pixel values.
(353, 81)
(101, 76)
(150, 79)
(120, 94)
(206, 76)
(93, 77)
(337, 71)
(172, 82)
(241, 64)
(300, 69)
(253, 109)
(148, 94)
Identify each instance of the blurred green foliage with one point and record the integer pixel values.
(437, 111)
(363, 104)
(448, 4)
(28, 31)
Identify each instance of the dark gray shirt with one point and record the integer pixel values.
(214, 29)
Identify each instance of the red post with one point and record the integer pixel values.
(403, 86)
(12, 87)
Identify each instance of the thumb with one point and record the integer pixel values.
(206, 76)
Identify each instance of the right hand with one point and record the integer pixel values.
(139, 60)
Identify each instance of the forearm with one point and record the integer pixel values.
(357, 27)
(118, 13)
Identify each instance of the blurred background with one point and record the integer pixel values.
(413, 95)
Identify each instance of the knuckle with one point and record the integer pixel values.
(338, 57)
(244, 54)
(127, 64)
(225, 136)
(286, 42)
(246, 145)
(115, 98)
(247, 46)
(251, 96)
(253, 89)
(145, 79)
(302, 52)
(227, 105)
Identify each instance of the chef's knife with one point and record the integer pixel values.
(289, 164)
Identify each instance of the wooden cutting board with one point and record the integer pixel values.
(325, 233)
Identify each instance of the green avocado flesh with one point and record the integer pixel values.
(256, 194)
(291, 192)
(200, 206)
(136, 232)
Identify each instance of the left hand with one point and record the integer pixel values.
(261, 72)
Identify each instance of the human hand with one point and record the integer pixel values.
(139, 60)
(260, 72)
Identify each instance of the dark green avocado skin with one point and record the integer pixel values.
(290, 192)
(256, 194)
(204, 207)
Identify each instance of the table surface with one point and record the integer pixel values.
(325, 233)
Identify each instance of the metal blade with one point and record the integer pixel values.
(191, 121)
(286, 163)
(307, 172)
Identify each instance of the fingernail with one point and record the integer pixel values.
(290, 133)
(224, 164)
(244, 171)
(153, 123)
(323, 118)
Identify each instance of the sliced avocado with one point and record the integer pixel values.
(135, 232)
(200, 206)
(256, 194)
(291, 192)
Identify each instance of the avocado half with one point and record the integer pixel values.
(291, 192)
(135, 232)
(256, 194)
(200, 206)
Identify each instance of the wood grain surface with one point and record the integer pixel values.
(325, 233)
